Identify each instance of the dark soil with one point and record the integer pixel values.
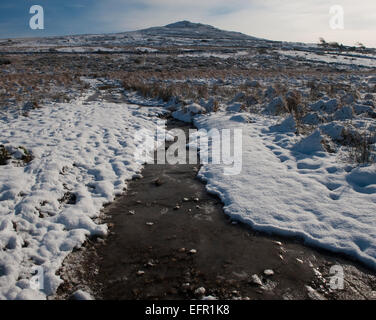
(165, 215)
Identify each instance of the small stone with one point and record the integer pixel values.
(196, 199)
(185, 199)
(299, 260)
(177, 207)
(268, 272)
(140, 273)
(255, 279)
(151, 263)
(150, 223)
(181, 250)
(132, 212)
(158, 182)
(200, 291)
(278, 243)
(234, 223)
(193, 251)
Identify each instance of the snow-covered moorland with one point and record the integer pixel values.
(83, 153)
(309, 145)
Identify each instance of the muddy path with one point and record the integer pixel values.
(170, 239)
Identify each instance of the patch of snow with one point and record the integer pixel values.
(293, 188)
(83, 156)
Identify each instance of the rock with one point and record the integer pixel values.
(275, 106)
(158, 182)
(369, 96)
(359, 109)
(312, 119)
(270, 92)
(100, 240)
(251, 101)
(252, 83)
(181, 250)
(196, 199)
(313, 294)
(185, 199)
(200, 291)
(238, 97)
(268, 272)
(150, 223)
(317, 106)
(132, 212)
(235, 107)
(140, 272)
(177, 207)
(330, 106)
(345, 113)
(349, 98)
(255, 279)
(193, 251)
(369, 103)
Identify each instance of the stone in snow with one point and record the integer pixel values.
(200, 291)
(268, 272)
(255, 279)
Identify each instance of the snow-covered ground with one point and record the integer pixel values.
(83, 154)
(289, 185)
(359, 60)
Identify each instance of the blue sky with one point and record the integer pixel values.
(291, 20)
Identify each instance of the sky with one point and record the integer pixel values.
(288, 20)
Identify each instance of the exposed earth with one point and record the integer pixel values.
(170, 239)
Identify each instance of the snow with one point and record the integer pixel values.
(187, 113)
(81, 149)
(290, 186)
(82, 295)
(358, 60)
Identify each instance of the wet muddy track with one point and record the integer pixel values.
(166, 214)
